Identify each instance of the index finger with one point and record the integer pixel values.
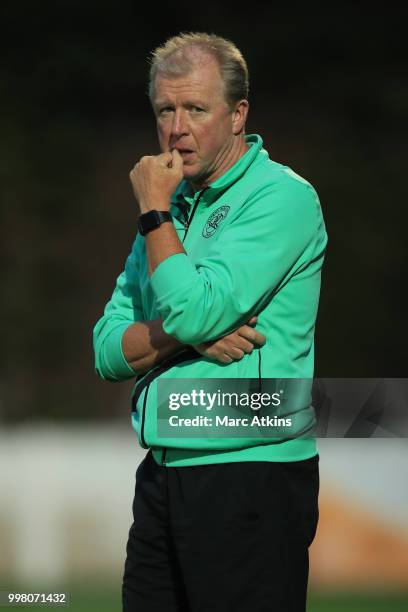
(251, 334)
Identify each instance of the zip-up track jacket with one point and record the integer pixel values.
(255, 242)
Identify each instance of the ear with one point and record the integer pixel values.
(239, 116)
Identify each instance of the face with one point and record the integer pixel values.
(193, 116)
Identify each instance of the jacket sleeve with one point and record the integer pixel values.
(273, 235)
(123, 309)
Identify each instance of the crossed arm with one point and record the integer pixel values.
(145, 344)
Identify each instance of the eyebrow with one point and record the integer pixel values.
(165, 103)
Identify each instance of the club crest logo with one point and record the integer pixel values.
(214, 221)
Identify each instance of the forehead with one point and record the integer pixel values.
(202, 81)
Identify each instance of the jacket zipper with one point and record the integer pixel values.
(260, 371)
(189, 220)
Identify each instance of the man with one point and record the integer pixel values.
(228, 239)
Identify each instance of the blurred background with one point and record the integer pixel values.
(328, 95)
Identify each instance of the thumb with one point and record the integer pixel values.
(252, 320)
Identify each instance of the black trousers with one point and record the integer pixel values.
(221, 538)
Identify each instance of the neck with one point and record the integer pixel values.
(230, 157)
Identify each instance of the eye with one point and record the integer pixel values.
(165, 110)
(197, 109)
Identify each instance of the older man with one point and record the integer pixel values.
(228, 239)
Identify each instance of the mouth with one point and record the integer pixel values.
(187, 155)
(183, 151)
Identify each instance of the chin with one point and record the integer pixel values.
(192, 171)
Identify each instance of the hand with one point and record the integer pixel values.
(155, 178)
(234, 346)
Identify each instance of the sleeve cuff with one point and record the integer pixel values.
(114, 358)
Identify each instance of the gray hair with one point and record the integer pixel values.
(179, 54)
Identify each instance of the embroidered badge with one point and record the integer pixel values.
(214, 221)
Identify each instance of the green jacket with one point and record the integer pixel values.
(255, 243)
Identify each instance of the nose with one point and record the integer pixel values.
(179, 126)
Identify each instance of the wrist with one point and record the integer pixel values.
(159, 204)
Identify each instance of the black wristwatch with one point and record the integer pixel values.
(152, 219)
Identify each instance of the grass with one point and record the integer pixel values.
(358, 602)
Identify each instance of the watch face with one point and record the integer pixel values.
(147, 222)
(151, 220)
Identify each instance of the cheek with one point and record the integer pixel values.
(215, 134)
(213, 142)
(162, 132)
